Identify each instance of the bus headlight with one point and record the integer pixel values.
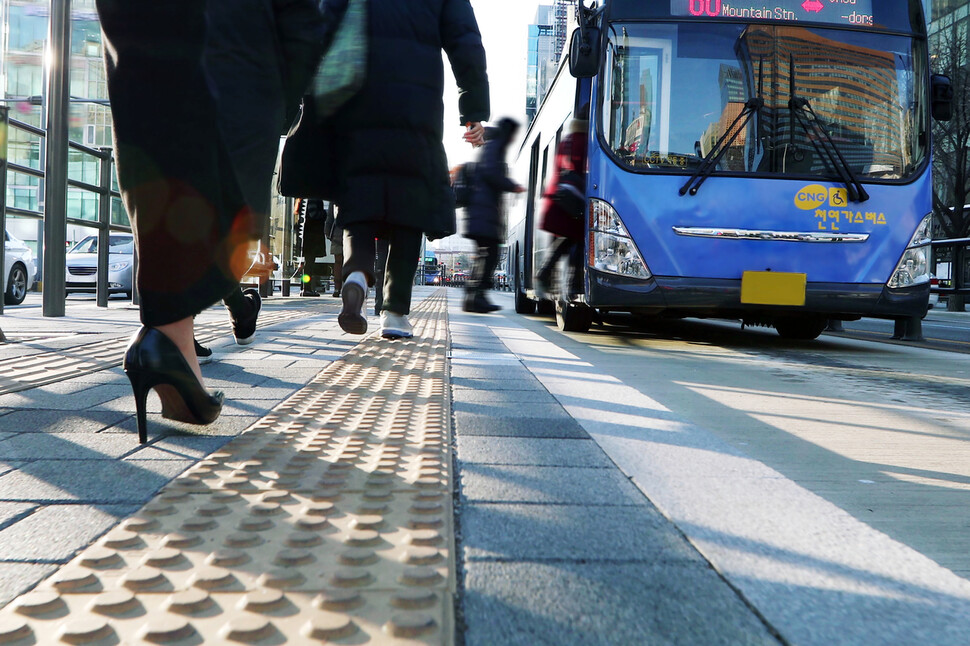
(914, 267)
(611, 249)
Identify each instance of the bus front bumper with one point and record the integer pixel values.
(716, 297)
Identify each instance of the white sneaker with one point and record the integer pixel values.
(395, 326)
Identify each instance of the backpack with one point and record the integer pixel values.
(461, 184)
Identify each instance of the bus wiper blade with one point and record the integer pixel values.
(713, 157)
(827, 148)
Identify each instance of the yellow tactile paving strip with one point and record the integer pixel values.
(42, 368)
(328, 521)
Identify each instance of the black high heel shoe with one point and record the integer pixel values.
(152, 360)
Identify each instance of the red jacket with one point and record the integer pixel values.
(570, 155)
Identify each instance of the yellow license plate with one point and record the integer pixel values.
(773, 288)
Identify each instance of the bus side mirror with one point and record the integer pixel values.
(941, 97)
(584, 52)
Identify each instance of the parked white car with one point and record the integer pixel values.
(82, 265)
(19, 270)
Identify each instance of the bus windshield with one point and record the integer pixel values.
(677, 93)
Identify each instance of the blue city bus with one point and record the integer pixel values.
(765, 162)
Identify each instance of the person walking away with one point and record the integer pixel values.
(557, 216)
(179, 185)
(390, 164)
(336, 237)
(484, 216)
(313, 236)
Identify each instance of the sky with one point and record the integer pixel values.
(504, 26)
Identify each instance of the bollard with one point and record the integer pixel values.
(284, 286)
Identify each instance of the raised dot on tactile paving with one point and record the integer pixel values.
(313, 523)
(164, 557)
(293, 557)
(158, 509)
(338, 600)
(414, 598)
(181, 540)
(188, 602)
(303, 539)
(243, 539)
(13, 629)
(166, 630)
(327, 626)
(279, 497)
(358, 556)
(114, 602)
(317, 508)
(263, 600)
(212, 509)
(237, 483)
(254, 524)
(138, 524)
(419, 575)
(143, 578)
(351, 578)
(198, 524)
(281, 578)
(421, 556)
(247, 629)
(362, 538)
(85, 630)
(227, 558)
(39, 602)
(225, 496)
(371, 521)
(73, 579)
(411, 624)
(98, 557)
(210, 577)
(427, 507)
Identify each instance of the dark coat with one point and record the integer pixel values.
(484, 216)
(389, 161)
(260, 56)
(570, 155)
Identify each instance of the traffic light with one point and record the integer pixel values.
(305, 278)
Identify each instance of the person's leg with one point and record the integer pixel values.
(404, 247)
(560, 247)
(489, 264)
(380, 273)
(474, 278)
(358, 271)
(482, 278)
(338, 262)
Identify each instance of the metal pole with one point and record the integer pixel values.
(55, 193)
(104, 233)
(4, 132)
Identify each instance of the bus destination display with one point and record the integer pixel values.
(837, 12)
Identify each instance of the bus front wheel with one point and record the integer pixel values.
(523, 304)
(800, 329)
(573, 317)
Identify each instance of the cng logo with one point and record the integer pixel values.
(811, 197)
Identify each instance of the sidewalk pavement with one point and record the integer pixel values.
(354, 490)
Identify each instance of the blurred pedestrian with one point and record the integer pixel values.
(313, 242)
(485, 217)
(336, 237)
(178, 173)
(563, 207)
(391, 170)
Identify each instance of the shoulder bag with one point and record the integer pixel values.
(343, 68)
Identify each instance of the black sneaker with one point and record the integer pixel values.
(244, 329)
(351, 318)
(203, 353)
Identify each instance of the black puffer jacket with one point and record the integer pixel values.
(259, 58)
(484, 216)
(390, 162)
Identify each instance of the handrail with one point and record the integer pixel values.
(104, 190)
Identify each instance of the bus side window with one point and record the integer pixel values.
(545, 165)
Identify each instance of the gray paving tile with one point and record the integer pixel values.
(55, 533)
(476, 424)
(566, 604)
(530, 383)
(571, 532)
(230, 423)
(41, 399)
(59, 421)
(67, 446)
(531, 451)
(490, 372)
(562, 485)
(535, 410)
(180, 447)
(100, 481)
(13, 511)
(17, 578)
(503, 396)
